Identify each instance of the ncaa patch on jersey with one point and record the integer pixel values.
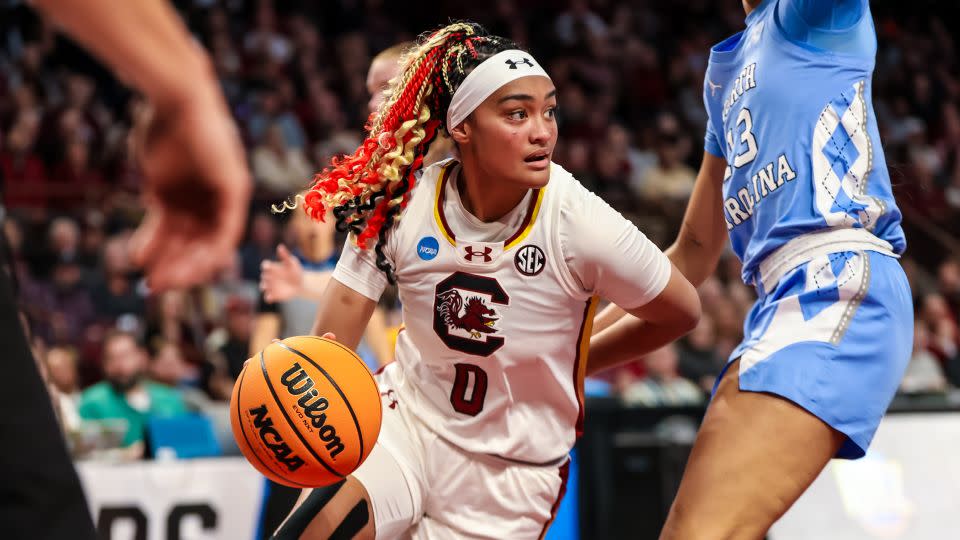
(530, 260)
(427, 248)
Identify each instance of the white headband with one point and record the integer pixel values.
(487, 78)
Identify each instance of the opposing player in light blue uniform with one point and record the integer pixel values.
(794, 174)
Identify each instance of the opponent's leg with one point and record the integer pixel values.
(754, 456)
(40, 493)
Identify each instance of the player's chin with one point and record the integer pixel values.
(533, 176)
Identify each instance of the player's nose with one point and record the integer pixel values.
(541, 130)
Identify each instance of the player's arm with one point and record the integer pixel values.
(343, 312)
(673, 313)
(266, 328)
(703, 235)
(144, 42)
(841, 26)
(608, 257)
(351, 296)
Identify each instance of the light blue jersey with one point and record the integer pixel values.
(796, 126)
(810, 212)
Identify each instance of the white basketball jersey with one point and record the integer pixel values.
(493, 352)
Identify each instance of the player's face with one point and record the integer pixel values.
(378, 80)
(514, 131)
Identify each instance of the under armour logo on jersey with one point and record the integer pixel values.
(513, 63)
(470, 253)
(713, 87)
(392, 396)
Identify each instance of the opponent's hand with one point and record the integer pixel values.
(196, 192)
(282, 279)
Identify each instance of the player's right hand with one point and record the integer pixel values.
(196, 192)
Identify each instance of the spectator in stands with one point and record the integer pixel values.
(261, 243)
(578, 23)
(662, 386)
(265, 39)
(699, 361)
(21, 169)
(612, 167)
(942, 340)
(948, 279)
(923, 372)
(92, 239)
(75, 180)
(73, 309)
(278, 167)
(271, 110)
(173, 319)
(113, 289)
(321, 111)
(169, 367)
(230, 283)
(231, 348)
(125, 393)
(62, 370)
(64, 238)
(670, 178)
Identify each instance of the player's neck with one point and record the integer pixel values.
(750, 5)
(485, 198)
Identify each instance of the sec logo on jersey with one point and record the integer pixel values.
(530, 260)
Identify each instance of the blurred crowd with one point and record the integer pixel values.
(630, 80)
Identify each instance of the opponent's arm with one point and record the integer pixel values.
(144, 42)
(196, 184)
(703, 235)
(840, 26)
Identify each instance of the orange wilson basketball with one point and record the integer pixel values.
(305, 411)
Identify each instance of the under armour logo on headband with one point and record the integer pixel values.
(513, 63)
(486, 78)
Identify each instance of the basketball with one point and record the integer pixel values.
(305, 411)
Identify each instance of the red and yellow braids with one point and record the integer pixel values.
(368, 189)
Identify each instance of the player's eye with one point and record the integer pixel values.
(518, 114)
(552, 112)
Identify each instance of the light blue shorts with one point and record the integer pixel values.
(834, 336)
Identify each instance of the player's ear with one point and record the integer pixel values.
(461, 133)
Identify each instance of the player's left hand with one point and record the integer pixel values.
(196, 193)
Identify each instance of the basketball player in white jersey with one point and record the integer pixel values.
(500, 259)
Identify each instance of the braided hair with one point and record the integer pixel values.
(370, 188)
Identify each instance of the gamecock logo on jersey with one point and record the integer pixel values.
(464, 316)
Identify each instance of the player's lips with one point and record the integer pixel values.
(538, 160)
